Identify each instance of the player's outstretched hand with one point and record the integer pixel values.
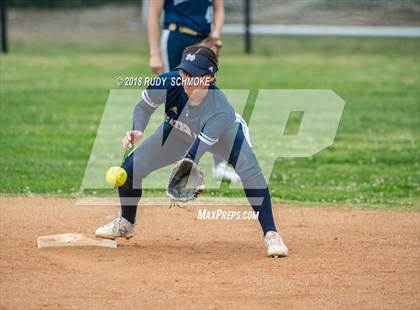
(131, 138)
(156, 65)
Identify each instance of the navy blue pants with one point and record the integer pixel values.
(172, 44)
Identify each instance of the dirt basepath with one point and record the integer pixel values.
(339, 259)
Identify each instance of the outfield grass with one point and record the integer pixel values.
(53, 94)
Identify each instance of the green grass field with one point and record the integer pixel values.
(53, 94)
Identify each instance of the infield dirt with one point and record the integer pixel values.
(340, 258)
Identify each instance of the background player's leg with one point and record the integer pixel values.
(222, 171)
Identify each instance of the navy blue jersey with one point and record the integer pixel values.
(194, 14)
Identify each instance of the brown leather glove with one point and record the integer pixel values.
(186, 181)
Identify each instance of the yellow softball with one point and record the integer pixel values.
(116, 176)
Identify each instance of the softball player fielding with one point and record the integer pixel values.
(198, 119)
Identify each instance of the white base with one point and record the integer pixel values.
(70, 239)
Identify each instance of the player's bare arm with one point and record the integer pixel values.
(219, 18)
